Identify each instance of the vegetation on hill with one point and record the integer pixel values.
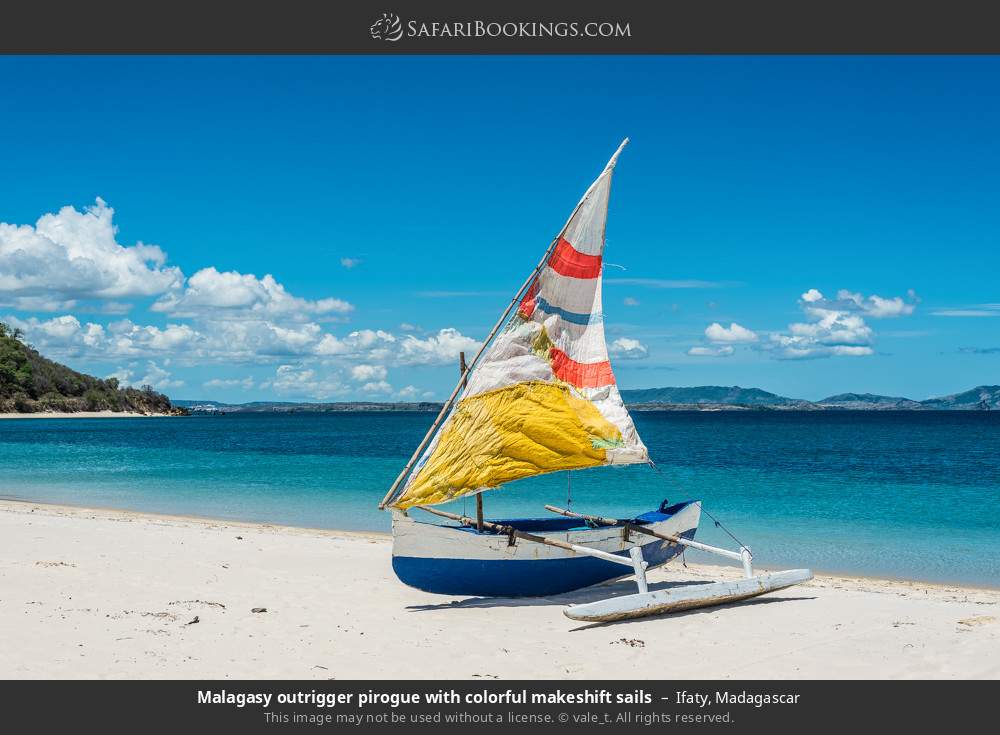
(30, 383)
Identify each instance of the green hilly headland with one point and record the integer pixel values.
(31, 383)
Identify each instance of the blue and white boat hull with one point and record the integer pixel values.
(459, 560)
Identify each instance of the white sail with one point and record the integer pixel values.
(543, 397)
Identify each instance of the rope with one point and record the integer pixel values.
(718, 523)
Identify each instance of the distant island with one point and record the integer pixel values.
(714, 397)
(700, 398)
(30, 383)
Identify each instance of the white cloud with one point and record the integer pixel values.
(369, 344)
(723, 351)
(363, 373)
(75, 255)
(873, 306)
(410, 391)
(735, 334)
(239, 342)
(159, 378)
(837, 326)
(377, 386)
(350, 262)
(439, 349)
(154, 375)
(625, 348)
(980, 310)
(210, 293)
(304, 382)
(629, 301)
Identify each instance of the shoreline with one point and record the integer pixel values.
(211, 521)
(93, 593)
(83, 415)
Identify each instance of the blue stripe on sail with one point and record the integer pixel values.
(570, 316)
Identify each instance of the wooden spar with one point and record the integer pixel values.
(614, 522)
(630, 561)
(743, 555)
(496, 328)
(571, 514)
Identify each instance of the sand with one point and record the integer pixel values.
(80, 415)
(111, 594)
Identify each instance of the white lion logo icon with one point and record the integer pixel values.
(387, 28)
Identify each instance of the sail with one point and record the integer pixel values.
(542, 398)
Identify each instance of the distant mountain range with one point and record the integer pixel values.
(701, 398)
(982, 398)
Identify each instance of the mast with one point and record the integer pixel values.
(463, 368)
(446, 408)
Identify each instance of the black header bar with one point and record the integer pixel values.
(512, 27)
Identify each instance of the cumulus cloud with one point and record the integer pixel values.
(629, 301)
(158, 377)
(365, 373)
(229, 294)
(722, 351)
(734, 334)
(75, 255)
(304, 382)
(70, 264)
(625, 348)
(240, 342)
(152, 375)
(836, 327)
(873, 306)
(437, 349)
(833, 327)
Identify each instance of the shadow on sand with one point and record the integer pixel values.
(592, 594)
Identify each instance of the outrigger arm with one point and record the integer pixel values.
(646, 603)
(743, 555)
(689, 597)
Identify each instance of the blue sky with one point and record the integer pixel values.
(398, 201)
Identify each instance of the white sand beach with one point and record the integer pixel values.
(112, 594)
(80, 415)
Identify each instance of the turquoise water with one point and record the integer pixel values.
(913, 495)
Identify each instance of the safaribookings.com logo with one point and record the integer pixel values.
(387, 28)
(390, 28)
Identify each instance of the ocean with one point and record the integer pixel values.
(912, 495)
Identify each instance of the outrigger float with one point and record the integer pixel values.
(540, 397)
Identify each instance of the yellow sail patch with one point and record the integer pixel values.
(510, 433)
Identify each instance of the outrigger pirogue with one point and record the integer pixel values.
(540, 397)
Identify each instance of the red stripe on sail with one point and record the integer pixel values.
(527, 307)
(580, 374)
(568, 261)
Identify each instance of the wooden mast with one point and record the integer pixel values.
(463, 368)
(496, 328)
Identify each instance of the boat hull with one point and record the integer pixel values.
(454, 560)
